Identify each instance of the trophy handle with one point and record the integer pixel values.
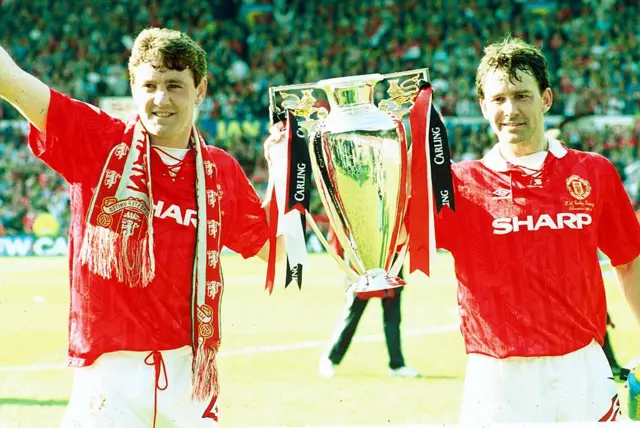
(353, 276)
(423, 72)
(403, 90)
(302, 106)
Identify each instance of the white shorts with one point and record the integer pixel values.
(575, 387)
(119, 390)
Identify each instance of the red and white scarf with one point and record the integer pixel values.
(118, 240)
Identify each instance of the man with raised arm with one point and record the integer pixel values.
(152, 206)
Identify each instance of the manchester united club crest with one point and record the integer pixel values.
(578, 187)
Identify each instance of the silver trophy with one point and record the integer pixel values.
(358, 150)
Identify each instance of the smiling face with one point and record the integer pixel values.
(515, 109)
(165, 100)
(168, 79)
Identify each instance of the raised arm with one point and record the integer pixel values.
(25, 92)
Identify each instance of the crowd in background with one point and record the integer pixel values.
(81, 48)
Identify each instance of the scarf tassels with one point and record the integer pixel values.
(205, 373)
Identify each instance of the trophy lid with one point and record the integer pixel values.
(350, 90)
(350, 81)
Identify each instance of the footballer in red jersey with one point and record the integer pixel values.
(152, 207)
(529, 220)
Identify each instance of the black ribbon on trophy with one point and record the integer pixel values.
(440, 155)
(431, 159)
(298, 195)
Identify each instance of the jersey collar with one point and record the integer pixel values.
(494, 160)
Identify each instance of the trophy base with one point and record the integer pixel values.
(376, 283)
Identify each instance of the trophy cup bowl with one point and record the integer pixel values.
(358, 154)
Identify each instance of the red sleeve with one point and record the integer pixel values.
(618, 227)
(244, 225)
(77, 139)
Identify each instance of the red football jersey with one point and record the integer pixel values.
(108, 316)
(525, 246)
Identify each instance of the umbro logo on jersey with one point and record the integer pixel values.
(502, 226)
(501, 194)
(175, 212)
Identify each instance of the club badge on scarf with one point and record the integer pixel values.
(118, 240)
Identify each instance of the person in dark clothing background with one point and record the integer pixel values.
(348, 323)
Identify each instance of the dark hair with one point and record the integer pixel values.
(170, 49)
(512, 56)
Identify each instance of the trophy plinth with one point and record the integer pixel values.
(376, 283)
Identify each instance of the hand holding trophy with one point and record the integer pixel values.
(357, 153)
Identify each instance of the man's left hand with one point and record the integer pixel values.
(273, 145)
